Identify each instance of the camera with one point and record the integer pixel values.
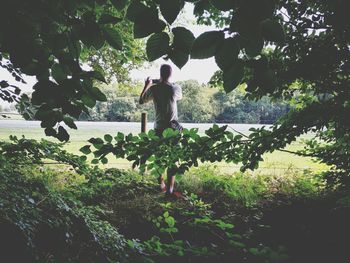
(155, 81)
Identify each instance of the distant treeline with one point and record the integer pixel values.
(200, 104)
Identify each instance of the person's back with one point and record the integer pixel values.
(165, 97)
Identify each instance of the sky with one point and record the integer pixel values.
(200, 70)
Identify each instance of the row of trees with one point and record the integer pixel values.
(200, 104)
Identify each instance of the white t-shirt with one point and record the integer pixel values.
(165, 97)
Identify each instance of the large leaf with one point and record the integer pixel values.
(146, 19)
(254, 45)
(62, 134)
(49, 131)
(85, 149)
(206, 44)
(88, 101)
(266, 80)
(182, 44)
(272, 31)
(140, 13)
(233, 76)
(157, 46)
(91, 33)
(74, 48)
(136, 11)
(92, 74)
(200, 7)
(179, 57)
(98, 94)
(170, 9)
(113, 38)
(69, 122)
(227, 53)
(146, 28)
(109, 19)
(58, 72)
(183, 39)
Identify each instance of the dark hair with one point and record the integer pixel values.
(165, 71)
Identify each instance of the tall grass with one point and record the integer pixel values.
(250, 188)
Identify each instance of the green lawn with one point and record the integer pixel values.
(274, 163)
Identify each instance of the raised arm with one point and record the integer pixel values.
(177, 92)
(145, 91)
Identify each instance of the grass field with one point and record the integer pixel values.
(274, 163)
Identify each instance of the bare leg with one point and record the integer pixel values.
(171, 180)
(170, 183)
(161, 183)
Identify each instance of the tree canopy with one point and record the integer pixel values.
(309, 57)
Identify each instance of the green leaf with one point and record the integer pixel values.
(266, 80)
(200, 7)
(254, 46)
(233, 77)
(109, 19)
(227, 53)
(113, 38)
(69, 122)
(183, 39)
(108, 138)
(136, 11)
(62, 134)
(120, 136)
(86, 149)
(104, 160)
(94, 161)
(58, 72)
(50, 122)
(88, 101)
(170, 221)
(179, 58)
(91, 35)
(98, 94)
(4, 84)
(74, 48)
(272, 31)
(170, 9)
(146, 28)
(49, 131)
(206, 44)
(119, 4)
(96, 142)
(97, 75)
(157, 46)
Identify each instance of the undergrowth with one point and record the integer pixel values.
(76, 213)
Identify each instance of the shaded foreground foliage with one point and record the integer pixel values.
(91, 215)
(309, 60)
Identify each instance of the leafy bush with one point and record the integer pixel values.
(190, 232)
(52, 226)
(94, 215)
(41, 216)
(249, 189)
